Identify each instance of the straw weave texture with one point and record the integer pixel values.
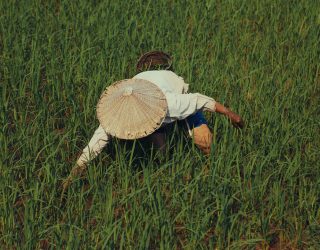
(131, 108)
(154, 59)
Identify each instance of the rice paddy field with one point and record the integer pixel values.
(258, 189)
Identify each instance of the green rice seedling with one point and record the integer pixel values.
(258, 189)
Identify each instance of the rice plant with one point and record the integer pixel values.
(260, 187)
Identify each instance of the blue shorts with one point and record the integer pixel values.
(196, 120)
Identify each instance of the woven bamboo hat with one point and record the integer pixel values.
(131, 108)
(154, 59)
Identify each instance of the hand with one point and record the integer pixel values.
(76, 171)
(235, 119)
(66, 183)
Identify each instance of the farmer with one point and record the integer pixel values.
(143, 106)
(196, 123)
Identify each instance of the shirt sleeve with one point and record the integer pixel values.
(98, 141)
(180, 106)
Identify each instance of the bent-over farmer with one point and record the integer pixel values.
(142, 106)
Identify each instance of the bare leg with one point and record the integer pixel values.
(202, 137)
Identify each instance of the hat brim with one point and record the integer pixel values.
(153, 59)
(132, 108)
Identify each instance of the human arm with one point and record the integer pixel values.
(235, 119)
(214, 106)
(98, 141)
(181, 106)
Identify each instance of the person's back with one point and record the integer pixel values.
(166, 80)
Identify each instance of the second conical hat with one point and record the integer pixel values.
(131, 108)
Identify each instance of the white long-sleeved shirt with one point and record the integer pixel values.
(180, 106)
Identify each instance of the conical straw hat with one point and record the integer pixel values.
(131, 108)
